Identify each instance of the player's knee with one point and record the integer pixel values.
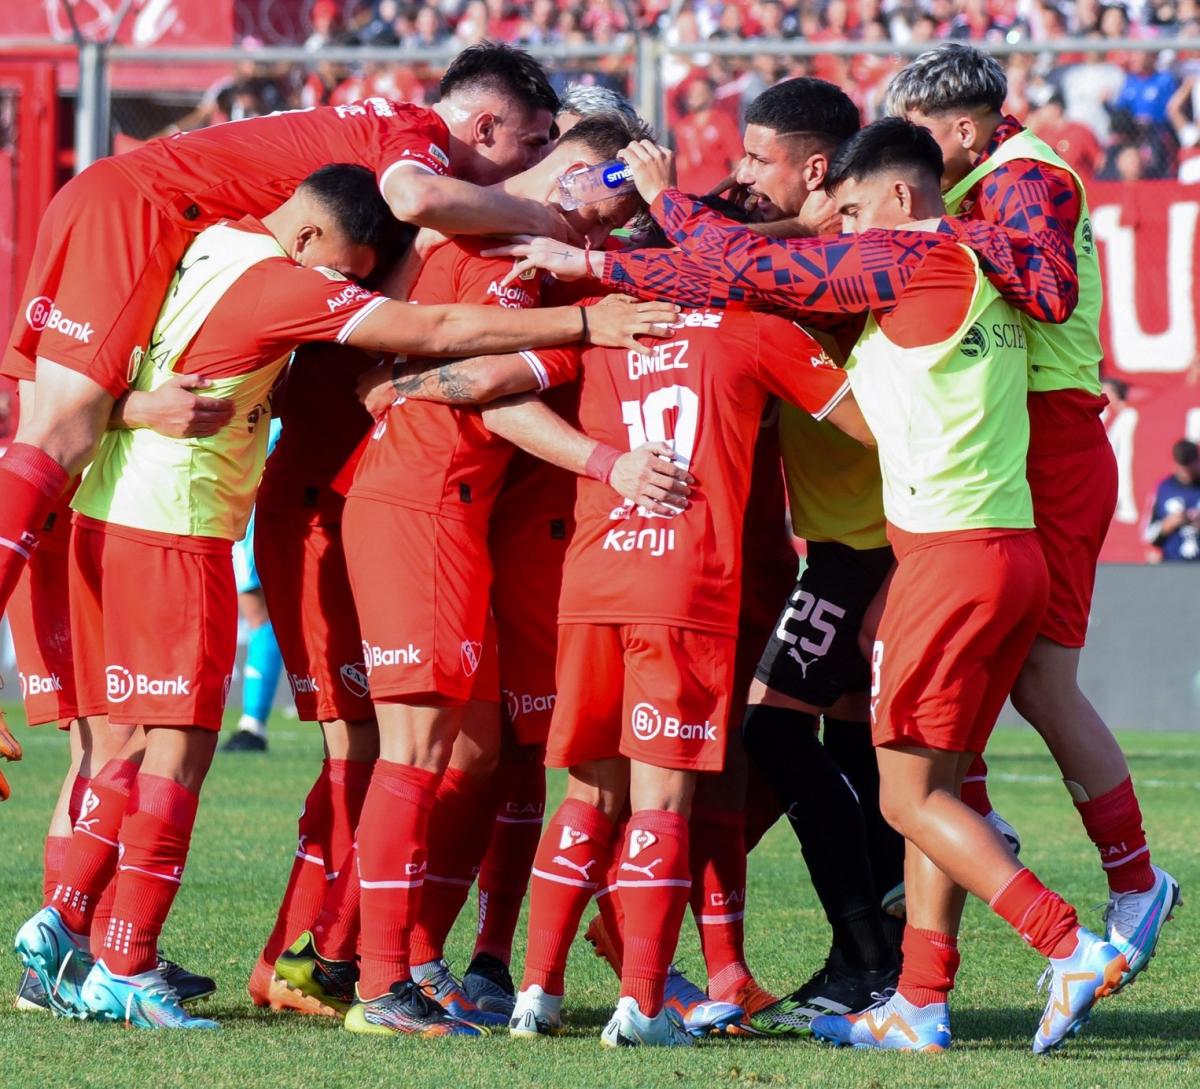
(898, 806)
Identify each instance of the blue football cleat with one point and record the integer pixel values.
(1075, 984)
(893, 1025)
(58, 958)
(143, 1001)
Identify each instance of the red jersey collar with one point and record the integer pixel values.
(1006, 130)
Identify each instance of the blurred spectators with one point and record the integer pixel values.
(708, 142)
(1174, 524)
(1111, 112)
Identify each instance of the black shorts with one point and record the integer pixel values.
(813, 653)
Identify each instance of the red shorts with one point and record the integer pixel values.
(525, 589)
(961, 614)
(154, 621)
(39, 615)
(650, 692)
(421, 586)
(302, 569)
(101, 266)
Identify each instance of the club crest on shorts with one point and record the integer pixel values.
(354, 678)
(472, 654)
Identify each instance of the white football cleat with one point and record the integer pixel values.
(536, 1013)
(629, 1027)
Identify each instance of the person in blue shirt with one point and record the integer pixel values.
(1174, 525)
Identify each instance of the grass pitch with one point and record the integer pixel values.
(1148, 1036)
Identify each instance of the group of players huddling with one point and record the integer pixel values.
(569, 547)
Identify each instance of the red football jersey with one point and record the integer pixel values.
(272, 308)
(324, 424)
(253, 166)
(703, 391)
(434, 457)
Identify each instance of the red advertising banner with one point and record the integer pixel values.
(164, 23)
(1147, 235)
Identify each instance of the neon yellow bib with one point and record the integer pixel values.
(192, 487)
(1063, 356)
(950, 420)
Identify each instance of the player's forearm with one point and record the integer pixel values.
(458, 207)
(462, 329)
(126, 413)
(671, 275)
(1036, 272)
(468, 381)
(527, 422)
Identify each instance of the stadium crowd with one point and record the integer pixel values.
(1112, 114)
(536, 403)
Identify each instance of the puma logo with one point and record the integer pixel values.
(581, 870)
(793, 653)
(648, 869)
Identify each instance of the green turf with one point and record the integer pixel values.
(1149, 1036)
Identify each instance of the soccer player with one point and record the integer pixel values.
(645, 662)
(79, 336)
(999, 172)
(167, 509)
(941, 378)
(430, 660)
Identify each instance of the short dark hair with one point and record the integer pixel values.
(350, 193)
(605, 132)
(807, 105)
(884, 145)
(1185, 453)
(502, 69)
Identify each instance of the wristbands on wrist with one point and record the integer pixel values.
(600, 464)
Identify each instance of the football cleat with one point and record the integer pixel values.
(894, 1024)
(144, 1000)
(489, 985)
(752, 998)
(536, 1013)
(1006, 830)
(31, 995)
(245, 741)
(629, 1027)
(58, 958)
(894, 904)
(834, 991)
(406, 1010)
(189, 986)
(1074, 985)
(1134, 921)
(318, 985)
(602, 945)
(699, 1014)
(445, 988)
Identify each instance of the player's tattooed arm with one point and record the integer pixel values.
(465, 381)
(647, 476)
(175, 409)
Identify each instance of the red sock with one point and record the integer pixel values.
(762, 810)
(459, 828)
(78, 789)
(103, 914)
(92, 857)
(54, 854)
(718, 868)
(393, 834)
(504, 874)
(336, 929)
(30, 484)
(1114, 824)
(155, 836)
(930, 965)
(974, 791)
(1042, 917)
(567, 869)
(348, 783)
(306, 883)
(608, 896)
(654, 882)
